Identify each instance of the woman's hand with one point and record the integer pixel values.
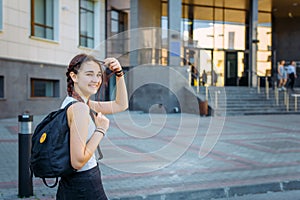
(121, 101)
(102, 122)
(113, 64)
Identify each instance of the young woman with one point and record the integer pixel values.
(282, 77)
(84, 78)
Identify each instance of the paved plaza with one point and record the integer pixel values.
(180, 156)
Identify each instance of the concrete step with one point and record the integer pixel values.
(247, 101)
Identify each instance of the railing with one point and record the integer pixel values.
(258, 84)
(276, 94)
(286, 98)
(267, 87)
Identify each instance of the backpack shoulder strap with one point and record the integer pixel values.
(69, 104)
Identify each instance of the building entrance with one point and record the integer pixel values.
(222, 67)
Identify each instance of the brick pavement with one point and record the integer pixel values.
(181, 156)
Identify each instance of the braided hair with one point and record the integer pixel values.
(75, 65)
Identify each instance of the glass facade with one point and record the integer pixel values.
(214, 38)
(264, 62)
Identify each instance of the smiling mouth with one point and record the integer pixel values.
(94, 86)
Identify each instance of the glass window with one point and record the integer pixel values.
(206, 63)
(1, 15)
(234, 36)
(118, 22)
(164, 9)
(203, 27)
(42, 19)
(204, 33)
(114, 21)
(264, 31)
(264, 36)
(164, 25)
(234, 29)
(218, 68)
(86, 23)
(1, 86)
(44, 88)
(219, 28)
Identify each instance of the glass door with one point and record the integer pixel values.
(231, 68)
(205, 61)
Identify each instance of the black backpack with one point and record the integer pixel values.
(50, 151)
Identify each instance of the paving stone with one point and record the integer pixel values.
(160, 159)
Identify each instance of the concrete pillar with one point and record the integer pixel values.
(134, 37)
(161, 87)
(174, 26)
(145, 25)
(253, 21)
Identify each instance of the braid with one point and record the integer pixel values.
(73, 67)
(70, 86)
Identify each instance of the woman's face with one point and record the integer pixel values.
(88, 79)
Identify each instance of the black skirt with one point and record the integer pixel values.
(81, 185)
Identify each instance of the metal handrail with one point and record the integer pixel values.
(258, 84)
(267, 87)
(276, 95)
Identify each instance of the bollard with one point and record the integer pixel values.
(258, 85)
(276, 95)
(287, 102)
(206, 93)
(216, 99)
(25, 176)
(285, 97)
(267, 87)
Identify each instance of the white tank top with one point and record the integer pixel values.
(91, 128)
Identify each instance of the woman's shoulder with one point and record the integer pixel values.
(77, 107)
(79, 110)
(66, 101)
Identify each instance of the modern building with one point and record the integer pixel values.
(237, 40)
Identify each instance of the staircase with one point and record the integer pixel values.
(231, 101)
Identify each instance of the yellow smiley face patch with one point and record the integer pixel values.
(43, 138)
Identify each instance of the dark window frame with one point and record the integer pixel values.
(2, 87)
(85, 36)
(54, 87)
(43, 25)
(122, 20)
